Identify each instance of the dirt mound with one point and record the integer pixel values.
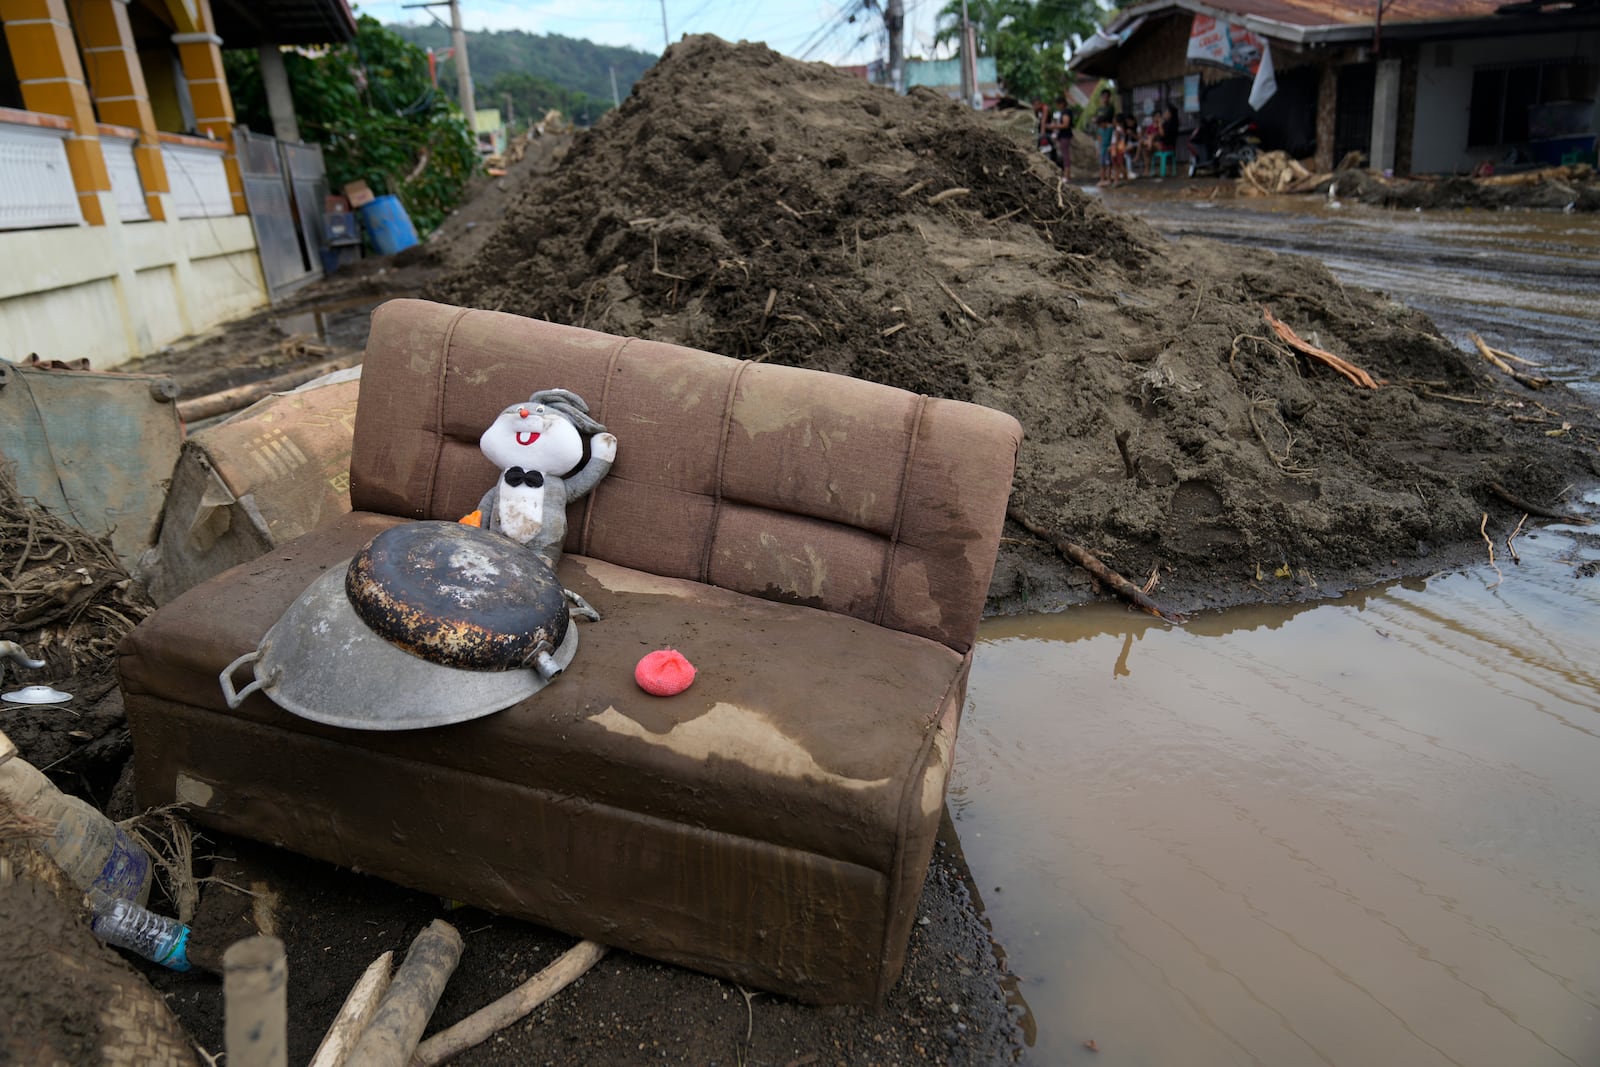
(1572, 188)
(752, 205)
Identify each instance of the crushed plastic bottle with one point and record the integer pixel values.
(139, 930)
(90, 849)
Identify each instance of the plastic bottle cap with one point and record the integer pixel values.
(664, 672)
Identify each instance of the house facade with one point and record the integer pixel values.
(1419, 86)
(123, 216)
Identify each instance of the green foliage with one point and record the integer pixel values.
(1029, 39)
(372, 107)
(567, 64)
(531, 97)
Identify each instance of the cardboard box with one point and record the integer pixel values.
(359, 194)
(265, 476)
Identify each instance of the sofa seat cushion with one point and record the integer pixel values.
(803, 729)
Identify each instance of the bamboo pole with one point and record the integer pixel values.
(255, 987)
(403, 1014)
(355, 1014)
(484, 1023)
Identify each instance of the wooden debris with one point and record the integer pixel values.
(1275, 173)
(1512, 537)
(948, 194)
(1533, 509)
(403, 1014)
(255, 991)
(1306, 348)
(892, 330)
(1483, 533)
(962, 304)
(1102, 574)
(357, 1011)
(484, 1023)
(1492, 355)
(913, 190)
(242, 396)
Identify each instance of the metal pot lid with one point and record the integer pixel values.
(36, 694)
(458, 595)
(321, 662)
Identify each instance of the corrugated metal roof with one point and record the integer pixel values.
(1310, 13)
(248, 23)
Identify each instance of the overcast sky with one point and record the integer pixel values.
(805, 29)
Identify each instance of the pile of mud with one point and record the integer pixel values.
(752, 205)
(1571, 188)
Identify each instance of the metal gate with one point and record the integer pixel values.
(284, 187)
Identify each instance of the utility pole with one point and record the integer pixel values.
(894, 20)
(966, 53)
(666, 42)
(458, 48)
(458, 37)
(616, 101)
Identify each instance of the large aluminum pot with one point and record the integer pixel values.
(432, 623)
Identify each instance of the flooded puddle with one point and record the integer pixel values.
(341, 324)
(1361, 832)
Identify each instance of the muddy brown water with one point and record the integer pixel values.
(1361, 832)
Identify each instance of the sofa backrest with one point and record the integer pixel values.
(776, 482)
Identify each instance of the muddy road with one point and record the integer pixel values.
(1526, 281)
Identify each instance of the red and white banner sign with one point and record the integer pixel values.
(1225, 44)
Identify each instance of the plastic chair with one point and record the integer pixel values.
(1163, 158)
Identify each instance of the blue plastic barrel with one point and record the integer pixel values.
(386, 220)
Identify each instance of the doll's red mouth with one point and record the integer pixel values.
(526, 438)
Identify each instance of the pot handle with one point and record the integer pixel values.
(232, 696)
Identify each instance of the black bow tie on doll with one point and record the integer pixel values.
(518, 476)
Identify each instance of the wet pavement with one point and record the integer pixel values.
(1526, 281)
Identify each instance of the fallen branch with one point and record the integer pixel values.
(1511, 539)
(484, 1023)
(1505, 368)
(1101, 573)
(948, 194)
(962, 304)
(1321, 355)
(1533, 509)
(1483, 533)
(242, 396)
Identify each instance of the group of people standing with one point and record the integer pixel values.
(1123, 145)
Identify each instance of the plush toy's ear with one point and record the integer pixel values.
(559, 396)
(570, 406)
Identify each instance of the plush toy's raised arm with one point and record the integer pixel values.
(602, 453)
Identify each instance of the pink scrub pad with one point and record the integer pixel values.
(664, 672)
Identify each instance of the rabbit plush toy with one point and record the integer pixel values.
(549, 452)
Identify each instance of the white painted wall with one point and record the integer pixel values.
(1444, 92)
(115, 292)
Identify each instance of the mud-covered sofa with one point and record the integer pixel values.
(820, 548)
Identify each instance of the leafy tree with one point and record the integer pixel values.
(377, 115)
(1027, 38)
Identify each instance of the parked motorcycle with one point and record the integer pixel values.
(1223, 150)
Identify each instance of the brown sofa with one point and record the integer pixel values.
(819, 547)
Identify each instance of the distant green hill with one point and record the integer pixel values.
(539, 70)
